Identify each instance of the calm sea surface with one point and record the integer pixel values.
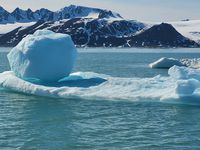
(31, 122)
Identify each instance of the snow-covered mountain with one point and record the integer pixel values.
(5, 28)
(161, 35)
(72, 11)
(188, 28)
(4, 15)
(84, 31)
(95, 27)
(106, 33)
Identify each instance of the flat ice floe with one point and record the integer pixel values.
(182, 85)
(166, 63)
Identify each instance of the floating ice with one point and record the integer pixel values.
(182, 86)
(45, 55)
(166, 63)
(184, 73)
(192, 63)
(112, 88)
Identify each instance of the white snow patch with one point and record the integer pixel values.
(189, 29)
(5, 28)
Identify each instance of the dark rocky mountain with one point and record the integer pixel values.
(87, 32)
(72, 11)
(4, 15)
(162, 35)
(84, 31)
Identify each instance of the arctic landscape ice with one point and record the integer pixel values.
(41, 65)
(87, 78)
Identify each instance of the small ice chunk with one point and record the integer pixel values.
(45, 55)
(186, 87)
(166, 63)
(191, 63)
(184, 73)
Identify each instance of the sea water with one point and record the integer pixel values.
(33, 122)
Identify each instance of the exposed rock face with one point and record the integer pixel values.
(162, 35)
(84, 31)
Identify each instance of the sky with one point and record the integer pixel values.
(142, 10)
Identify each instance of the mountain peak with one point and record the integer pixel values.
(74, 11)
(18, 10)
(162, 35)
(72, 6)
(68, 12)
(2, 9)
(29, 10)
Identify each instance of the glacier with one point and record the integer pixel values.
(44, 55)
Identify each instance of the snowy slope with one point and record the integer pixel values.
(74, 11)
(190, 29)
(84, 31)
(161, 35)
(5, 28)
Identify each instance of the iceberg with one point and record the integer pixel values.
(166, 63)
(44, 55)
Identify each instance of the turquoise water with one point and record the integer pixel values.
(31, 122)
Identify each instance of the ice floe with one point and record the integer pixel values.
(181, 86)
(166, 63)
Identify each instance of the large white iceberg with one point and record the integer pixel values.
(166, 63)
(45, 55)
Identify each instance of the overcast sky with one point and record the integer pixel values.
(142, 10)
